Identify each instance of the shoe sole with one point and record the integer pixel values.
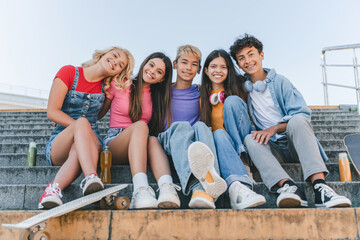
(292, 203)
(49, 205)
(336, 203)
(200, 203)
(92, 188)
(201, 160)
(258, 203)
(168, 204)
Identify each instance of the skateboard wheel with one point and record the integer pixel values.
(24, 235)
(122, 203)
(40, 235)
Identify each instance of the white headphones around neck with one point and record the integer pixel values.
(216, 98)
(259, 86)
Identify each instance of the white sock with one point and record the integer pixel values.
(140, 180)
(165, 179)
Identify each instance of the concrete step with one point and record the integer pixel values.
(335, 129)
(37, 120)
(28, 196)
(333, 135)
(196, 224)
(337, 113)
(19, 159)
(332, 144)
(122, 174)
(335, 117)
(336, 122)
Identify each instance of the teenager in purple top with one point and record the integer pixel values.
(187, 140)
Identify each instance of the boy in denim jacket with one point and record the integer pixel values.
(284, 132)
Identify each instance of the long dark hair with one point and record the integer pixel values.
(160, 95)
(233, 84)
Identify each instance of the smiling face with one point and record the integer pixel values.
(217, 72)
(250, 60)
(153, 72)
(187, 66)
(114, 62)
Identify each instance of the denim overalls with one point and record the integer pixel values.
(76, 105)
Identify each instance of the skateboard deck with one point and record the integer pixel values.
(65, 208)
(352, 145)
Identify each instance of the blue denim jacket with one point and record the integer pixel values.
(287, 99)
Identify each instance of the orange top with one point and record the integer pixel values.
(217, 117)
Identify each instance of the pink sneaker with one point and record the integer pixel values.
(91, 184)
(51, 197)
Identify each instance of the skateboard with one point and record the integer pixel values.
(352, 145)
(34, 226)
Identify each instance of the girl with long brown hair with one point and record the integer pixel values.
(136, 112)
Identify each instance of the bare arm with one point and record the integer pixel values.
(56, 99)
(105, 108)
(264, 135)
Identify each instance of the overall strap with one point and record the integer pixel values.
(102, 88)
(76, 79)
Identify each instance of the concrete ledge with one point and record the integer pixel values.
(197, 224)
(323, 107)
(24, 110)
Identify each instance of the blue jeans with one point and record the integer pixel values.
(237, 122)
(176, 141)
(229, 143)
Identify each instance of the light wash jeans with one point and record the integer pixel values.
(299, 145)
(176, 141)
(229, 143)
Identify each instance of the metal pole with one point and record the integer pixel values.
(356, 74)
(326, 96)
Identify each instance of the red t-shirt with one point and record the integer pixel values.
(67, 75)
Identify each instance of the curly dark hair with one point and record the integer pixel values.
(246, 41)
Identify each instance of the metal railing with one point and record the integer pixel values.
(23, 91)
(354, 65)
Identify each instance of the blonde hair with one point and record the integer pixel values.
(188, 49)
(123, 79)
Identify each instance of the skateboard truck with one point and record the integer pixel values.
(35, 233)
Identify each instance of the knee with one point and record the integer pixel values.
(181, 125)
(296, 122)
(249, 141)
(142, 127)
(200, 125)
(234, 102)
(218, 134)
(81, 123)
(152, 141)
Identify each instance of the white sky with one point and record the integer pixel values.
(38, 37)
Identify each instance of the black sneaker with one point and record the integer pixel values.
(290, 196)
(325, 196)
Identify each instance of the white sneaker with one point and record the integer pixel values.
(329, 198)
(91, 184)
(242, 197)
(168, 197)
(51, 197)
(290, 196)
(201, 160)
(143, 197)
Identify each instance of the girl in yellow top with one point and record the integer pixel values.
(230, 124)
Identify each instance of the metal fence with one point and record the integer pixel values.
(23, 91)
(354, 66)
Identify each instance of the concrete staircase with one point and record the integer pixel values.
(22, 186)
